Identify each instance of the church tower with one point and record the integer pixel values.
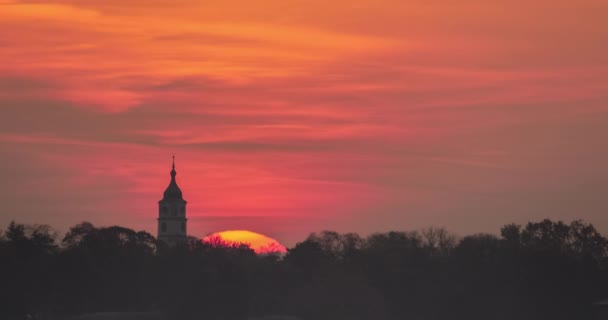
(172, 213)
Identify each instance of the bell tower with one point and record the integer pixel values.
(172, 214)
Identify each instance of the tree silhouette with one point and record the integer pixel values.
(541, 270)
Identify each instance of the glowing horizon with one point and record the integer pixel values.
(260, 243)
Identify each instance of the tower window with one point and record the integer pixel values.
(183, 226)
(163, 227)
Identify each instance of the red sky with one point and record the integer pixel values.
(288, 117)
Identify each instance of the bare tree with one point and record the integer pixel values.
(438, 241)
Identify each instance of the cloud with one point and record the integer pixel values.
(362, 116)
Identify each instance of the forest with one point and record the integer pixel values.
(540, 270)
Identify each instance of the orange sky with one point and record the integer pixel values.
(289, 117)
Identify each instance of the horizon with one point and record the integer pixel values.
(363, 116)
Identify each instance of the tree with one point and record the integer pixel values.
(78, 233)
(479, 248)
(16, 232)
(308, 255)
(338, 247)
(511, 234)
(542, 270)
(29, 240)
(43, 237)
(586, 241)
(438, 241)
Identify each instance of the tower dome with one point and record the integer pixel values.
(173, 192)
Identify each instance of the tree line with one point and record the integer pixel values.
(541, 270)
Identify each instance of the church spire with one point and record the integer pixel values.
(173, 172)
(173, 191)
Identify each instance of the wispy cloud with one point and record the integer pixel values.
(362, 115)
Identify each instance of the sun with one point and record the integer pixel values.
(260, 243)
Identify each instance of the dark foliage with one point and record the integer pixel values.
(544, 270)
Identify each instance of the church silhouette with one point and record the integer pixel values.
(172, 222)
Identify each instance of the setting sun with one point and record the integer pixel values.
(258, 242)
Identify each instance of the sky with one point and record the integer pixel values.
(288, 117)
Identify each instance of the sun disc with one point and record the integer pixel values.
(260, 243)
